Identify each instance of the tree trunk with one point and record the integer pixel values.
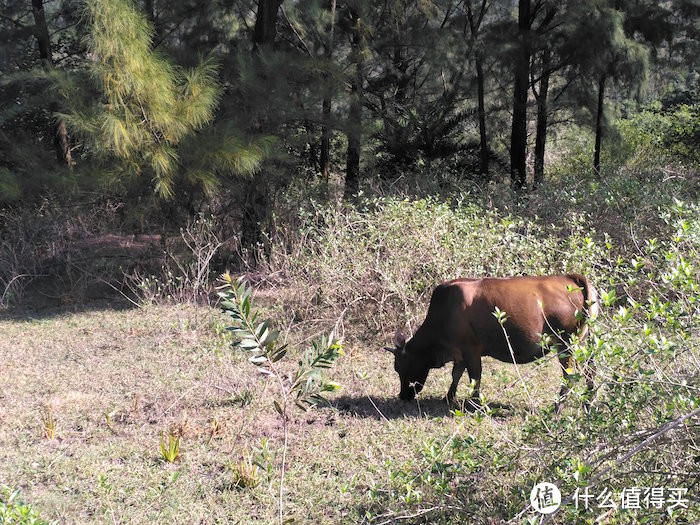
(599, 125)
(150, 11)
(483, 140)
(43, 39)
(474, 26)
(265, 23)
(518, 136)
(41, 31)
(256, 201)
(326, 140)
(326, 116)
(352, 171)
(541, 138)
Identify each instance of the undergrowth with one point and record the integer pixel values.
(378, 262)
(15, 512)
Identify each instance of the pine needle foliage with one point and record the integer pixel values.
(147, 106)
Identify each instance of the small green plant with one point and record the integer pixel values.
(109, 415)
(246, 472)
(244, 397)
(14, 512)
(48, 423)
(171, 451)
(306, 387)
(264, 458)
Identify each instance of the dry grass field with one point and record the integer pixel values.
(114, 380)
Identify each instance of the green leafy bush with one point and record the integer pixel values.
(658, 134)
(379, 260)
(636, 433)
(14, 512)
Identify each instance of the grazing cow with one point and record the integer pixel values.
(460, 326)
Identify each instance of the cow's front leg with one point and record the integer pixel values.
(457, 370)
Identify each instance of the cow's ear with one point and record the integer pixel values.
(399, 339)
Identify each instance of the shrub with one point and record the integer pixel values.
(185, 276)
(381, 259)
(14, 512)
(636, 237)
(638, 429)
(657, 135)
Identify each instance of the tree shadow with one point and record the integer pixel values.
(40, 310)
(389, 408)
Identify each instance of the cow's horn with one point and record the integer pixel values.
(390, 349)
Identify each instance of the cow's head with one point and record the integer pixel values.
(411, 369)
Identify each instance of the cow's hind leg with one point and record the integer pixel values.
(566, 362)
(589, 372)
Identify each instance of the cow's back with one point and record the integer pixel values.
(460, 316)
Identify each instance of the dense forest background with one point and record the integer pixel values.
(243, 110)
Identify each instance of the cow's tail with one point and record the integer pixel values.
(590, 301)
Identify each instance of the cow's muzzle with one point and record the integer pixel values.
(407, 395)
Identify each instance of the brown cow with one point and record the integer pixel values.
(461, 327)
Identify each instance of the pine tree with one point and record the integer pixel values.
(614, 58)
(147, 107)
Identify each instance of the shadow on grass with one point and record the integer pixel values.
(41, 309)
(393, 408)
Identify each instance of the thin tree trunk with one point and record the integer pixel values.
(474, 26)
(265, 23)
(326, 139)
(326, 117)
(483, 140)
(599, 124)
(41, 31)
(256, 201)
(541, 138)
(518, 136)
(352, 171)
(58, 129)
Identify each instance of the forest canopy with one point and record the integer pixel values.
(190, 99)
